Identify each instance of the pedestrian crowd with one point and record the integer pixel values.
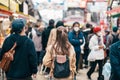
(59, 52)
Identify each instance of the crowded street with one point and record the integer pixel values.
(59, 39)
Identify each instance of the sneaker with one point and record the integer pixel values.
(47, 76)
(89, 77)
(101, 77)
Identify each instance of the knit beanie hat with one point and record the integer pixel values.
(18, 24)
(96, 29)
(115, 29)
(59, 23)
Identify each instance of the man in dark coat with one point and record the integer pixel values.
(45, 37)
(46, 33)
(24, 64)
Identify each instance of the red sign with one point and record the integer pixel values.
(5, 12)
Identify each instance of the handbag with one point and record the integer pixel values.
(7, 58)
(61, 66)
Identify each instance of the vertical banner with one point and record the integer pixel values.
(83, 3)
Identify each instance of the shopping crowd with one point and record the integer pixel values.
(61, 51)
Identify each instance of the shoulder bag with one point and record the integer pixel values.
(7, 58)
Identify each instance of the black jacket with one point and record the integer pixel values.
(45, 36)
(115, 60)
(25, 58)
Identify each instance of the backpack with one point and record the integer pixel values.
(115, 38)
(30, 35)
(61, 66)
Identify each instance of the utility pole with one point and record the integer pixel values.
(8, 4)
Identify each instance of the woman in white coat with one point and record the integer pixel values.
(96, 46)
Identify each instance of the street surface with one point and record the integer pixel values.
(80, 76)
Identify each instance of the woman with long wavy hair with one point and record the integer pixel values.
(60, 47)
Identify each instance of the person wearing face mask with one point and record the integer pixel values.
(75, 37)
(97, 47)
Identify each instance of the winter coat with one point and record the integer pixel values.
(86, 32)
(115, 60)
(75, 41)
(37, 39)
(25, 57)
(45, 36)
(48, 61)
(94, 47)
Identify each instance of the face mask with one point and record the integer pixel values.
(76, 29)
(99, 33)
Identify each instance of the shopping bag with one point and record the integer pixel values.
(7, 58)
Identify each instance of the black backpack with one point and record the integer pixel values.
(115, 38)
(61, 70)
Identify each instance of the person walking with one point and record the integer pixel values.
(113, 37)
(96, 46)
(37, 40)
(75, 37)
(52, 37)
(24, 64)
(46, 33)
(61, 47)
(86, 32)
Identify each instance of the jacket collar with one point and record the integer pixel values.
(119, 47)
(118, 43)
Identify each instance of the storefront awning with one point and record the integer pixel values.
(21, 15)
(116, 15)
(5, 12)
(114, 10)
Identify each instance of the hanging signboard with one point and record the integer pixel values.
(83, 3)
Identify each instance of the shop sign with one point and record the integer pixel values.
(5, 2)
(25, 8)
(83, 3)
(6, 23)
(13, 5)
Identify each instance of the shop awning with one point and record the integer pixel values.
(114, 10)
(21, 15)
(116, 15)
(5, 12)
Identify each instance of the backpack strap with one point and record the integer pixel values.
(14, 46)
(115, 36)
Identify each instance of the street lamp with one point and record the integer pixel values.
(8, 4)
